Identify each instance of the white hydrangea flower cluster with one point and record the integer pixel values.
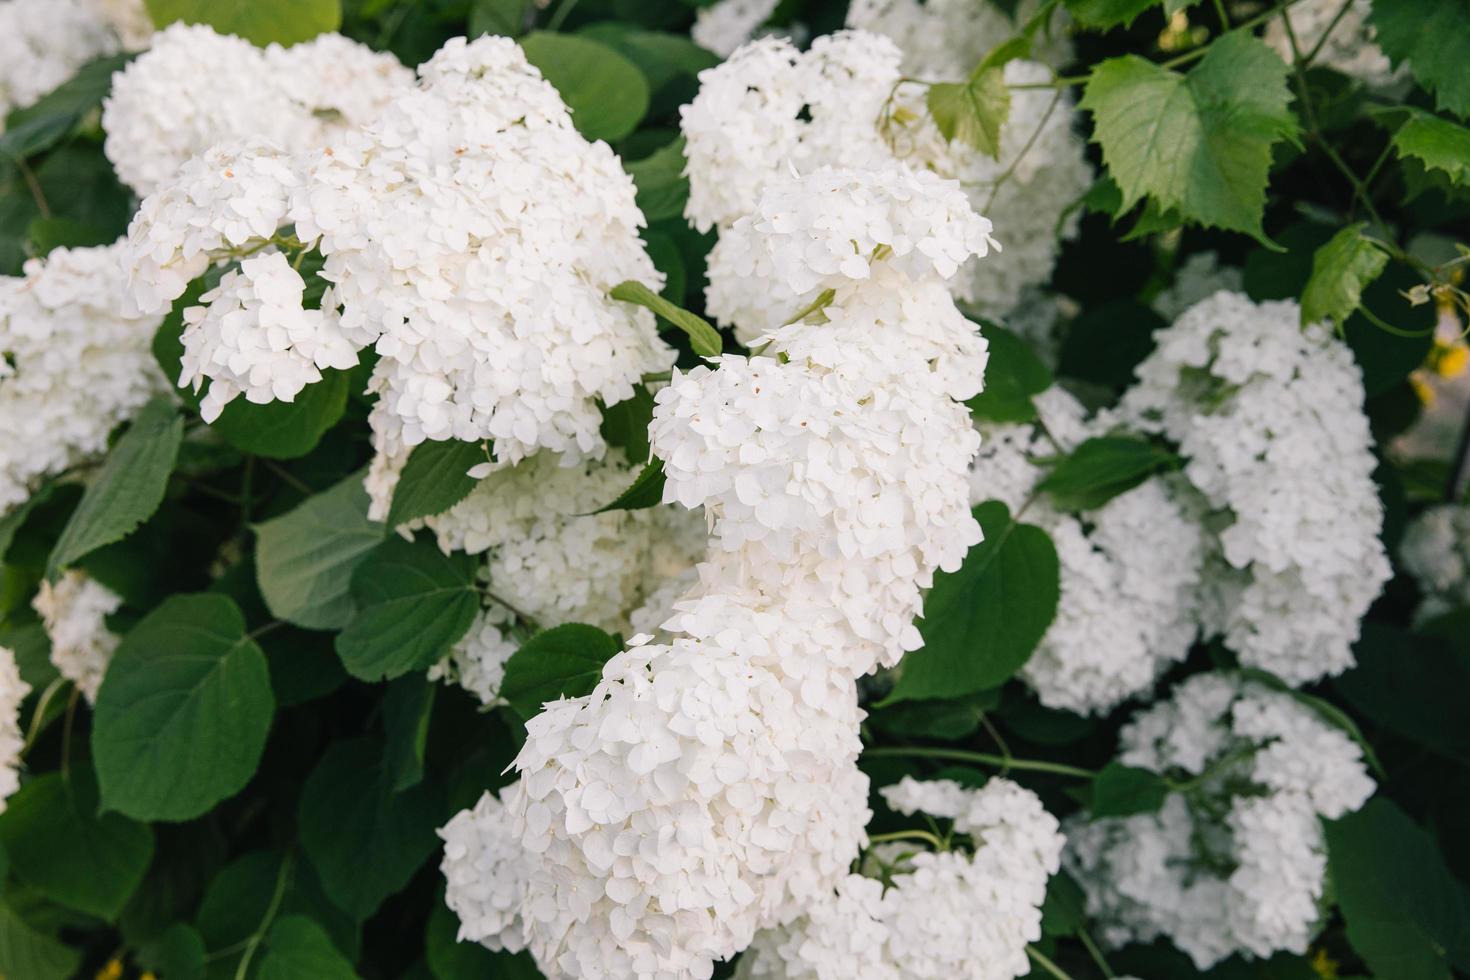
(73, 367)
(74, 612)
(1436, 551)
(1198, 277)
(1130, 570)
(194, 89)
(724, 26)
(13, 691)
(480, 285)
(42, 44)
(1349, 48)
(939, 915)
(1234, 861)
(708, 786)
(1270, 418)
(771, 108)
(946, 39)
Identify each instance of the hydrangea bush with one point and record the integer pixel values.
(665, 490)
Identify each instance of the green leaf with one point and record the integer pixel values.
(450, 959)
(413, 603)
(982, 622)
(1107, 13)
(435, 478)
(406, 711)
(503, 17)
(299, 949)
(663, 190)
(26, 953)
(1199, 144)
(261, 22)
(364, 840)
(61, 847)
(1340, 270)
(704, 338)
(625, 424)
(564, 661)
(285, 430)
(1437, 143)
(670, 62)
(1103, 468)
(128, 488)
(305, 558)
(11, 522)
(974, 111)
(183, 713)
(177, 953)
(1433, 36)
(1120, 791)
(647, 489)
(46, 122)
(1012, 376)
(1405, 913)
(1411, 685)
(607, 94)
(1064, 910)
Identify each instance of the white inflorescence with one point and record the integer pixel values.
(1349, 48)
(13, 691)
(771, 108)
(946, 39)
(74, 611)
(1436, 551)
(1235, 860)
(1130, 570)
(708, 786)
(482, 287)
(1198, 277)
(195, 89)
(73, 367)
(966, 916)
(1270, 418)
(724, 26)
(42, 44)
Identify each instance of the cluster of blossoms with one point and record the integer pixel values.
(946, 39)
(724, 26)
(194, 89)
(1198, 277)
(1436, 551)
(1130, 570)
(44, 42)
(73, 366)
(771, 108)
(708, 786)
(13, 691)
(1270, 418)
(1234, 861)
(1345, 38)
(74, 611)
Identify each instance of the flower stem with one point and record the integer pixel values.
(979, 758)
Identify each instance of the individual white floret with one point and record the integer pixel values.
(1436, 551)
(74, 611)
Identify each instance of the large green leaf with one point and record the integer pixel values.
(1197, 143)
(259, 21)
(60, 846)
(177, 953)
(285, 430)
(26, 953)
(625, 424)
(646, 490)
(1405, 913)
(1013, 374)
(564, 661)
(1102, 468)
(1433, 36)
(670, 62)
(1341, 269)
(364, 840)
(982, 623)
(607, 94)
(703, 337)
(663, 190)
(1412, 685)
(299, 949)
(435, 478)
(1120, 791)
(128, 488)
(504, 17)
(407, 708)
(972, 111)
(46, 122)
(450, 959)
(1107, 13)
(305, 558)
(1437, 143)
(413, 603)
(183, 713)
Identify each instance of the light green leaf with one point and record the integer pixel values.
(435, 478)
(60, 846)
(305, 558)
(973, 111)
(1437, 143)
(1121, 791)
(503, 17)
(258, 21)
(606, 92)
(1107, 13)
(1103, 468)
(1199, 144)
(26, 953)
(1013, 374)
(565, 661)
(299, 949)
(128, 488)
(662, 187)
(413, 603)
(982, 623)
(1340, 271)
(364, 840)
(1433, 36)
(704, 338)
(183, 713)
(285, 430)
(647, 489)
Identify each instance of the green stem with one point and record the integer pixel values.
(38, 717)
(922, 835)
(978, 758)
(1035, 135)
(284, 875)
(567, 6)
(1224, 17)
(1317, 48)
(1095, 952)
(1046, 964)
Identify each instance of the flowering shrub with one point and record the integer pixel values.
(872, 490)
